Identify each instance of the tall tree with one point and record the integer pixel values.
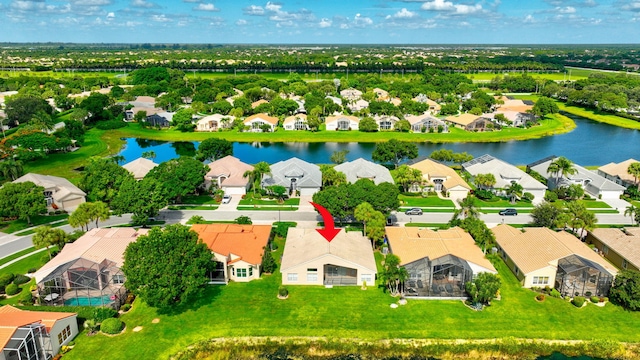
(393, 275)
(43, 239)
(467, 207)
(167, 267)
(180, 176)
(634, 170)
(20, 109)
(213, 149)
(22, 200)
(42, 121)
(331, 176)
(143, 199)
(514, 191)
(483, 288)
(625, 290)
(363, 212)
(548, 215)
(406, 176)
(544, 106)
(102, 178)
(80, 217)
(633, 212)
(485, 181)
(11, 169)
(259, 170)
(394, 151)
(561, 167)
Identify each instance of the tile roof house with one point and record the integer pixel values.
(255, 104)
(296, 122)
(439, 263)
(364, 169)
(441, 178)
(469, 122)
(87, 271)
(351, 94)
(620, 246)
(237, 250)
(543, 257)
(295, 175)
(592, 183)
(34, 335)
(309, 259)
(382, 95)
(506, 174)
(426, 122)
(214, 122)
(160, 119)
(385, 122)
(139, 167)
(617, 172)
(227, 174)
(255, 122)
(342, 122)
(434, 107)
(511, 104)
(517, 118)
(59, 192)
(358, 105)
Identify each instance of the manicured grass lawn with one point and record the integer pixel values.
(252, 309)
(483, 77)
(14, 299)
(258, 202)
(18, 225)
(6, 259)
(198, 200)
(600, 117)
(635, 202)
(34, 261)
(269, 208)
(419, 201)
(192, 207)
(594, 204)
(502, 203)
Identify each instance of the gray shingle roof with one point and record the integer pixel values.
(502, 171)
(582, 174)
(308, 175)
(364, 169)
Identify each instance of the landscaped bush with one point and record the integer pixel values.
(112, 326)
(578, 301)
(6, 279)
(112, 124)
(244, 220)
(101, 313)
(125, 307)
(196, 219)
(31, 270)
(587, 293)
(11, 289)
(554, 293)
(540, 297)
(21, 279)
(528, 196)
(283, 292)
(550, 196)
(595, 299)
(25, 298)
(483, 194)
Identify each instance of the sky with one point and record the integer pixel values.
(322, 21)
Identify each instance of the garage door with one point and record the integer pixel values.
(233, 190)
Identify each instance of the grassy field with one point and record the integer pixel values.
(600, 117)
(17, 225)
(198, 200)
(252, 309)
(258, 202)
(431, 201)
(6, 259)
(575, 75)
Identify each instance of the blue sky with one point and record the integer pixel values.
(331, 21)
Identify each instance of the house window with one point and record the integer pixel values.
(292, 277)
(624, 263)
(516, 270)
(605, 249)
(300, 124)
(343, 125)
(233, 271)
(118, 279)
(250, 271)
(366, 277)
(312, 275)
(242, 273)
(540, 280)
(64, 335)
(385, 125)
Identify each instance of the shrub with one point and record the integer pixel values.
(587, 293)
(554, 293)
(578, 301)
(21, 279)
(102, 313)
(595, 299)
(12, 289)
(31, 270)
(196, 219)
(130, 298)
(125, 307)
(112, 326)
(528, 196)
(547, 289)
(483, 194)
(605, 299)
(551, 196)
(540, 297)
(6, 279)
(111, 124)
(282, 291)
(25, 298)
(244, 220)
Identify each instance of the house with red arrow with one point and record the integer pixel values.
(309, 259)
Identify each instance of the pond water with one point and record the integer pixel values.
(591, 143)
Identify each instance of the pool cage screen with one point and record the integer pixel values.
(578, 276)
(441, 277)
(29, 342)
(85, 283)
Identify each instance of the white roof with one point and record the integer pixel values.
(139, 167)
(364, 169)
(504, 172)
(61, 187)
(582, 174)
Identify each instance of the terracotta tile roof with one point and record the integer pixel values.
(255, 104)
(411, 244)
(293, 118)
(464, 119)
(12, 318)
(232, 168)
(262, 116)
(431, 169)
(244, 241)
(536, 248)
(333, 118)
(625, 243)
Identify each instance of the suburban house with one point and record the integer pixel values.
(295, 175)
(385, 122)
(214, 122)
(434, 107)
(469, 122)
(296, 122)
(439, 263)
(227, 174)
(617, 172)
(87, 271)
(517, 118)
(139, 167)
(382, 95)
(364, 169)
(148, 111)
(511, 104)
(144, 102)
(257, 121)
(425, 122)
(59, 192)
(396, 101)
(505, 175)
(543, 257)
(342, 122)
(161, 119)
(358, 105)
(351, 94)
(255, 104)
(336, 100)
(441, 178)
(620, 246)
(309, 259)
(592, 183)
(34, 335)
(237, 250)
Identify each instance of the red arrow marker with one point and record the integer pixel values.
(329, 231)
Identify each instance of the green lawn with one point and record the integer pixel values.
(486, 77)
(419, 201)
(17, 225)
(258, 202)
(192, 207)
(198, 200)
(21, 267)
(502, 203)
(600, 116)
(269, 208)
(6, 259)
(594, 204)
(252, 309)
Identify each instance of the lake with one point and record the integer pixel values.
(590, 143)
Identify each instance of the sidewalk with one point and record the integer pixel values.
(21, 257)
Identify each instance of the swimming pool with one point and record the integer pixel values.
(89, 301)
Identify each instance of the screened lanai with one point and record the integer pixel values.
(578, 276)
(82, 282)
(28, 343)
(441, 277)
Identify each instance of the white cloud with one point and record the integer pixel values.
(143, 4)
(111, 15)
(160, 18)
(403, 14)
(566, 10)
(206, 7)
(362, 21)
(91, 2)
(324, 23)
(448, 6)
(241, 22)
(529, 19)
(632, 6)
(254, 10)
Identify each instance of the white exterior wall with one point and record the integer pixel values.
(308, 191)
(538, 195)
(332, 126)
(235, 190)
(611, 194)
(457, 193)
(57, 329)
(234, 268)
(318, 263)
(549, 271)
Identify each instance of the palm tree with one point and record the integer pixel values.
(468, 207)
(632, 211)
(42, 121)
(11, 169)
(259, 170)
(561, 167)
(514, 191)
(485, 181)
(363, 212)
(149, 154)
(634, 170)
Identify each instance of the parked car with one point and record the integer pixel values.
(508, 212)
(226, 199)
(414, 211)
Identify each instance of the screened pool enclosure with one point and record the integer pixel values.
(441, 277)
(578, 276)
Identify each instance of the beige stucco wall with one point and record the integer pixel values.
(458, 193)
(71, 204)
(57, 329)
(232, 271)
(549, 271)
(319, 263)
